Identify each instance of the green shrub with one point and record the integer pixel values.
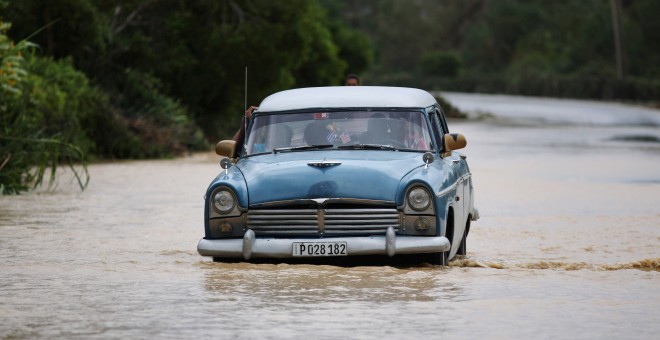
(36, 135)
(154, 125)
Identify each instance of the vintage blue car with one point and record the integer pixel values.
(341, 171)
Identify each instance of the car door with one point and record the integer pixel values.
(453, 162)
(461, 202)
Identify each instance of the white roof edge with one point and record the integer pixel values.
(347, 96)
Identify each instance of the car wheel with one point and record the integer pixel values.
(441, 259)
(462, 248)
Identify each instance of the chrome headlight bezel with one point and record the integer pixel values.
(223, 200)
(418, 198)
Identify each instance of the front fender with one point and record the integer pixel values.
(233, 179)
(440, 180)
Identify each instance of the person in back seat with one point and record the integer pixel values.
(316, 133)
(377, 129)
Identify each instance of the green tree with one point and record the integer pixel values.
(641, 29)
(440, 64)
(355, 47)
(68, 25)
(193, 54)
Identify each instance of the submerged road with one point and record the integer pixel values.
(566, 247)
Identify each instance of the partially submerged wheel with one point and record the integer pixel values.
(227, 259)
(441, 259)
(462, 248)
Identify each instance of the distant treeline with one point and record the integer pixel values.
(561, 48)
(86, 79)
(563, 86)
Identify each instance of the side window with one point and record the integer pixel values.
(443, 122)
(438, 134)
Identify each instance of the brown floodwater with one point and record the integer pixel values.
(567, 247)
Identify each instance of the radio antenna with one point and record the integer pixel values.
(245, 101)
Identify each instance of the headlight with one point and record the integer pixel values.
(419, 199)
(223, 201)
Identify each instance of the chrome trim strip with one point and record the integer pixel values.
(447, 190)
(322, 201)
(453, 186)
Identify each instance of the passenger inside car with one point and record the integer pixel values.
(316, 133)
(270, 137)
(279, 136)
(377, 129)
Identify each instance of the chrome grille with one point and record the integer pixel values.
(294, 222)
(323, 221)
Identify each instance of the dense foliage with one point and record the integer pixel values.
(194, 53)
(37, 131)
(156, 78)
(138, 78)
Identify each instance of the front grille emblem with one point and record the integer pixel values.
(323, 164)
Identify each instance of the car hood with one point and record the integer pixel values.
(373, 175)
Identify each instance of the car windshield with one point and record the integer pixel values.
(345, 130)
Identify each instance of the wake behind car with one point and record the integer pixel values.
(341, 171)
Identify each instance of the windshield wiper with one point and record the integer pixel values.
(368, 146)
(303, 147)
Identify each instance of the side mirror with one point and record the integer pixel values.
(225, 164)
(454, 141)
(226, 148)
(428, 159)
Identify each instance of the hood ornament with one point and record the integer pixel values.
(323, 164)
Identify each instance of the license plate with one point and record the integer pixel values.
(330, 248)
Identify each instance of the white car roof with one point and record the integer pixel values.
(347, 96)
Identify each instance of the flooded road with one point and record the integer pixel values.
(567, 247)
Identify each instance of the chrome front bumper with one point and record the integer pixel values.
(389, 244)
